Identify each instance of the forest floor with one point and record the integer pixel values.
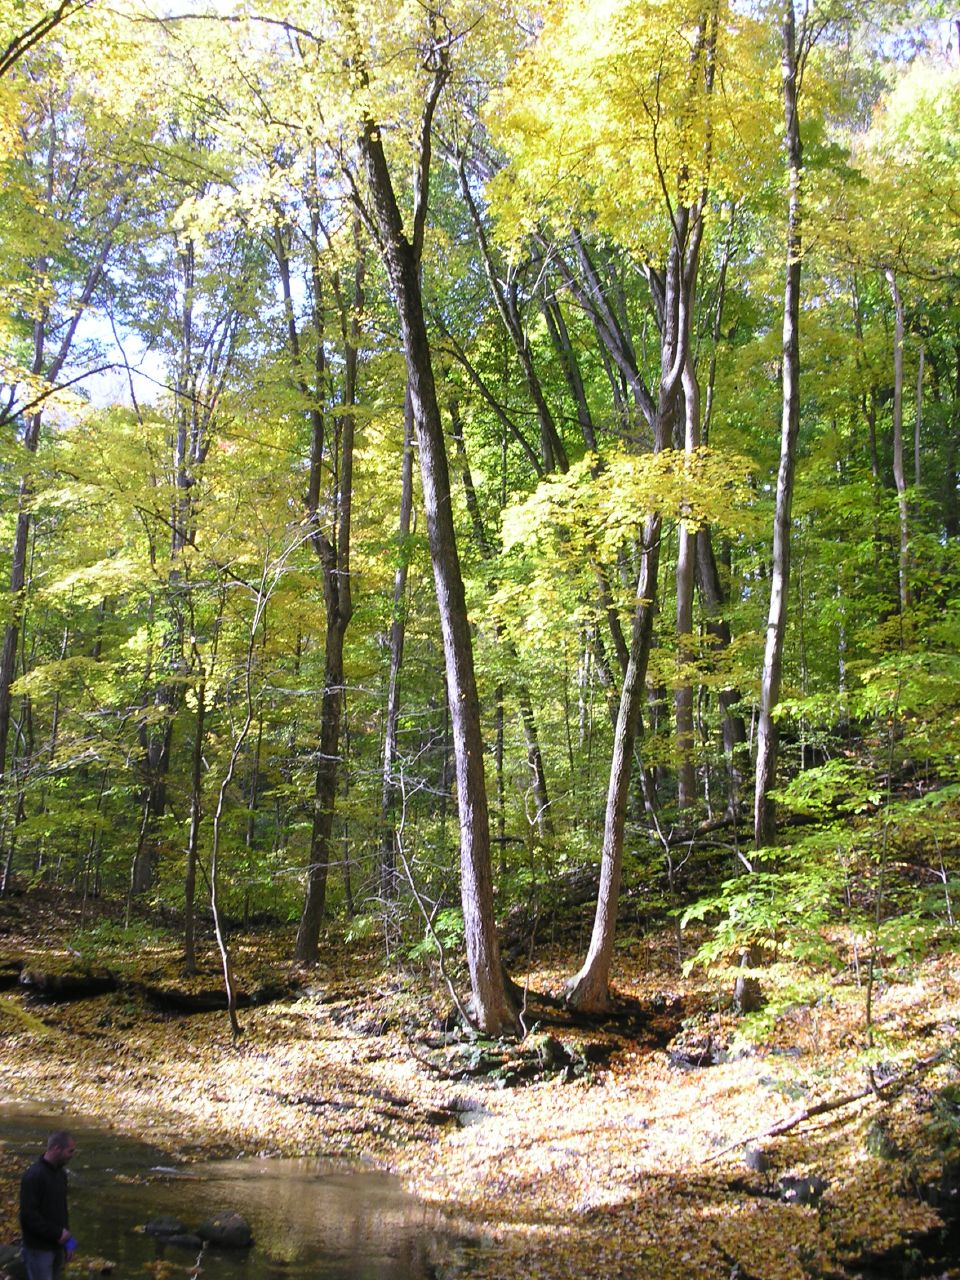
(629, 1161)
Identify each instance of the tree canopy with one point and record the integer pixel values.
(392, 533)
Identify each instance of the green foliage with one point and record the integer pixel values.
(109, 942)
(838, 787)
(447, 928)
(944, 1123)
(214, 152)
(781, 913)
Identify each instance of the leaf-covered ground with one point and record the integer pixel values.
(631, 1162)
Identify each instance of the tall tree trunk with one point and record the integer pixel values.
(492, 1007)
(588, 990)
(918, 418)
(47, 367)
(196, 819)
(714, 599)
(156, 743)
(951, 416)
(764, 818)
(538, 776)
(11, 633)
(325, 789)
(335, 557)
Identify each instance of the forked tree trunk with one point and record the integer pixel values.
(588, 990)
(335, 557)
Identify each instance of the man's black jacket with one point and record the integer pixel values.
(43, 1205)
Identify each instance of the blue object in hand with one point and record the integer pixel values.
(70, 1245)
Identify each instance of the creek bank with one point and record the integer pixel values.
(231, 1219)
(63, 986)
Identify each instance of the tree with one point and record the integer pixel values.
(795, 47)
(492, 1006)
(24, 27)
(62, 257)
(653, 81)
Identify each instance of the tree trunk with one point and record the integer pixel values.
(48, 369)
(538, 776)
(764, 819)
(714, 599)
(686, 566)
(918, 418)
(335, 557)
(196, 818)
(156, 763)
(588, 990)
(491, 1005)
(325, 790)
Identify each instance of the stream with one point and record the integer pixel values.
(312, 1219)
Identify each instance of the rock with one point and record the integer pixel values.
(184, 1240)
(805, 1191)
(756, 1159)
(227, 1230)
(690, 1052)
(165, 1227)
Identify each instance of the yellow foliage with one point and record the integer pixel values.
(609, 503)
(614, 115)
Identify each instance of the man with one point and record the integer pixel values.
(43, 1210)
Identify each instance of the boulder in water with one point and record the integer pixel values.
(184, 1240)
(165, 1227)
(228, 1230)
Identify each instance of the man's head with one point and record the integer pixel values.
(60, 1148)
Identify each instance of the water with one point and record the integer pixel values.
(311, 1219)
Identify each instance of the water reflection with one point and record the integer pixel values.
(312, 1219)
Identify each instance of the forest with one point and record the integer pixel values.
(480, 493)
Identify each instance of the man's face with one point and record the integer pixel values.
(59, 1156)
